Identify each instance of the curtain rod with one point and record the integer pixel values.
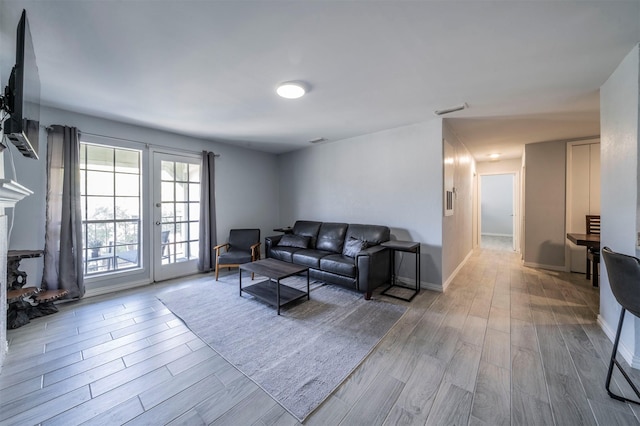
(147, 144)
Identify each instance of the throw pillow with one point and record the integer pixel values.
(353, 246)
(291, 240)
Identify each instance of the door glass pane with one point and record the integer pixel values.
(167, 191)
(182, 172)
(182, 191)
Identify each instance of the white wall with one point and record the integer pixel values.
(457, 229)
(246, 181)
(619, 110)
(496, 212)
(392, 178)
(3, 289)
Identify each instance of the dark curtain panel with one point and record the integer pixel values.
(63, 238)
(208, 239)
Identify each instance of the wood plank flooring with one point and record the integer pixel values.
(504, 345)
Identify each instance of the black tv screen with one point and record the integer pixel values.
(23, 95)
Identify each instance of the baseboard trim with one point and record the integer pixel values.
(99, 291)
(411, 282)
(541, 266)
(627, 354)
(491, 234)
(455, 272)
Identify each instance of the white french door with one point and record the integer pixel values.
(176, 215)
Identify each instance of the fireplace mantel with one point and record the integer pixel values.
(10, 193)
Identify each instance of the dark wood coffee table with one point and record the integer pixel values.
(271, 290)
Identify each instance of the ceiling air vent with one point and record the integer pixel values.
(318, 140)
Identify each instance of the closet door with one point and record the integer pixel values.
(583, 195)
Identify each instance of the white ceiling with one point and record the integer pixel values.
(529, 71)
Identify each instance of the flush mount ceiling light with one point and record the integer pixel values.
(292, 89)
(494, 156)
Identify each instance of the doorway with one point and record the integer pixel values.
(583, 195)
(497, 212)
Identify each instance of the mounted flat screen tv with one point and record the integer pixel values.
(22, 95)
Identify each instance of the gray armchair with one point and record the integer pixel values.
(243, 247)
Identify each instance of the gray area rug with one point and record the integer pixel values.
(299, 357)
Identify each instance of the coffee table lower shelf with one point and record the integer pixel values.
(267, 291)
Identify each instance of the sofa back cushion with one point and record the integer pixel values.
(371, 234)
(331, 237)
(292, 240)
(307, 228)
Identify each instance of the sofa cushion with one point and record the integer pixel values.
(283, 253)
(310, 258)
(291, 240)
(331, 236)
(307, 228)
(372, 234)
(339, 264)
(353, 246)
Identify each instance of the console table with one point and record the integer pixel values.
(407, 247)
(19, 310)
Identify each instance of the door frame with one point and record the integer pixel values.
(568, 193)
(161, 272)
(515, 207)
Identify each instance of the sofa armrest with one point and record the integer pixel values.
(270, 242)
(374, 266)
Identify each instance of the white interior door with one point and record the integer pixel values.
(176, 209)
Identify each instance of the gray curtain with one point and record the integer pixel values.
(63, 236)
(208, 238)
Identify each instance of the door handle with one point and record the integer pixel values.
(157, 222)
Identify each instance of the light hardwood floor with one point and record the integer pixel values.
(504, 345)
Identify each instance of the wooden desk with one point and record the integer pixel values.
(587, 240)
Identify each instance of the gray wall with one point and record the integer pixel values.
(246, 181)
(392, 178)
(619, 110)
(544, 211)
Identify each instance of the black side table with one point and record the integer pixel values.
(285, 230)
(407, 247)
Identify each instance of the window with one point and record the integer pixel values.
(111, 208)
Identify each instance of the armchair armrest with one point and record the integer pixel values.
(255, 251)
(219, 246)
(374, 264)
(269, 242)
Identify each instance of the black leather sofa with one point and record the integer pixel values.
(349, 255)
